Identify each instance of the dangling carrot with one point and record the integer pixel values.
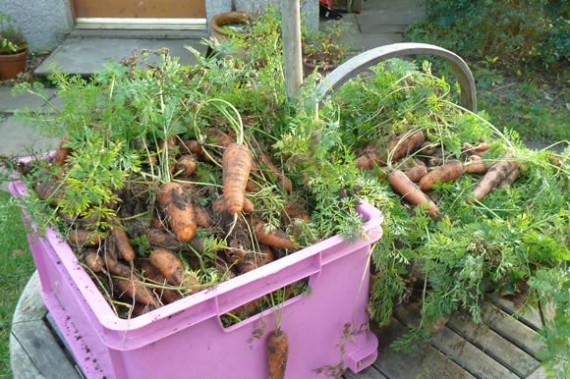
(277, 354)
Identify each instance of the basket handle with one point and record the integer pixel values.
(369, 58)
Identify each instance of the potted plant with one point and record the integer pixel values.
(324, 51)
(226, 24)
(13, 48)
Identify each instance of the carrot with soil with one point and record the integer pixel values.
(275, 238)
(236, 166)
(410, 191)
(178, 211)
(123, 244)
(494, 176)
(442, 174)
(277, 354)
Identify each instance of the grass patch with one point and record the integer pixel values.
(536, 104)
(17, 267)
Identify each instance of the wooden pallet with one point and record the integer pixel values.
(503, 346)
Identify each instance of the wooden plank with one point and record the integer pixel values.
(21, 363)
(540, 373)
(423, 362)
(527, 315)
(37, 341)
(494, 345)
(30, 306)
(469, 356)
(507, 326)
(459, 350)
(368, 373)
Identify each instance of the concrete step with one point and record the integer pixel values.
(85, 55)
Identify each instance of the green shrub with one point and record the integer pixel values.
(520, 32)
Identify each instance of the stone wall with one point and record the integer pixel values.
(44, 23)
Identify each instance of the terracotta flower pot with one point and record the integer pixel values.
(226, 19)
(322, 67)
(12, 64)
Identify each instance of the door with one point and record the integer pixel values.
(126, 13)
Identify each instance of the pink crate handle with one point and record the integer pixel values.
(306, 263)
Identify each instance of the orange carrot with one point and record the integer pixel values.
(510, 178)
(202, 217)
(252, 187)
(275, 238)
(248, 206)
(476, 165)
(150, 272)
(410, 191)
(186, 166)
(116, 268)
(277, 354)
(134, 289)
(428, 148)
(236, 166)
(193, 146)
(124, 246)
(84, 237)
(140, 309)
(217, 137)
(173, 269)
(416, 173)
(178, 211)
(366, 161)
(493, 177)
(401, 147)
(161, 238)
(62, 152)
(94, 261)
(48, 189)
(442, 174)
(477, 150)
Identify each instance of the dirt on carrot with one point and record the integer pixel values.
(494, 176)
(237, 163)
(274, 238)
(447, 172)
(410, 191)
(277, 354)
(177, 210)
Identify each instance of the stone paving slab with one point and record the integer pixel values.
(85, 56)
(20, 139)
(9, 102)
(381, 20)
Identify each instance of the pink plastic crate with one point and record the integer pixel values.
(327, 327)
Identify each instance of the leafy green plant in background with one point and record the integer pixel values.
(11, 38)
(519, 32)
(511, 46)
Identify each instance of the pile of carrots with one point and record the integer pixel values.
(159, 248)
(428, 166)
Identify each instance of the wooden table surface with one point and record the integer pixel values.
(504, 346)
